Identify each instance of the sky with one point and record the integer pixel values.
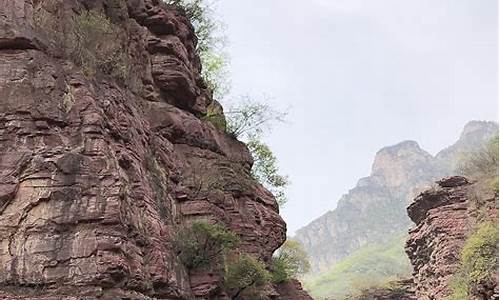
(358, 75)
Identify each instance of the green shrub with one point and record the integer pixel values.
(89, 39)
(215, 115)
(95, 45)
(482, 164)
(211, 43)
(250, 118)
(204, 245)
(265, 169)
(478, 261)
(289, 261)
(245, 275)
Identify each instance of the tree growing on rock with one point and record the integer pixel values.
(289, 261)
(211, 43)
(245, 275)
(204, 245)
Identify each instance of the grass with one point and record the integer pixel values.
(371, 266)
(478, 262)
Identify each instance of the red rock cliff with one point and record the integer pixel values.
(444, 218)
(95, 176)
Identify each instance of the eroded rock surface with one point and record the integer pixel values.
(96, 176)
(444, 217)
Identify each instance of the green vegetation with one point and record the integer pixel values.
(244, 276)
(482, 165)
(158, 178)
(289, 262)
(204, 245)
(210, 45)
(247, 119)
(265, 169)
(94, 45)
(478, 262)
(371, 266)
(215, 115)
(89, 39)
(250, 118)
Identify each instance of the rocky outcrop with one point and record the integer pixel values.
(375, 210)
(292, 290)
(96, 176)
(444, 217)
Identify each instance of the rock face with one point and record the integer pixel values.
(96, 176)
(375, 210)
(444, 218)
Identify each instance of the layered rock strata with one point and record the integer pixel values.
(444, 217)
(96, 176)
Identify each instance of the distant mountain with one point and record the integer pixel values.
(475, 134)
(374, 211)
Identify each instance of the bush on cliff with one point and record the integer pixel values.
(89, 39)
(247, 119)
(289, 261)
(265, 169)
(204, 245)
(482, 165)
(478, 262)
(245, 275)
(210, 45)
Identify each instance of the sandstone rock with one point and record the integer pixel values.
(291, 290)
(444, 218)
(95, 175)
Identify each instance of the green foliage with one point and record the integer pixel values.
(482, 164)
(244, 276)
(215, 115)
(478, 261)
(204, 245)
(94, 45)
(211, 43)
(265, 169)
(249, 118)
(89, 39)
(371, 266)
(289, 261)
(158, 178)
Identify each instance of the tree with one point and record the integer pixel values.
(289, 261)
(245, 275)
(265, 169)
(204, 245)
(250, 118)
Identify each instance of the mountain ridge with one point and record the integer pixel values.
(398, 173)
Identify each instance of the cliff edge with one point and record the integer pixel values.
(102, 161)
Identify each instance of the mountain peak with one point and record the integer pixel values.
(479, 127)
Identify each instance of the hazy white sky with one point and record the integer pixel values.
(360, 75)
